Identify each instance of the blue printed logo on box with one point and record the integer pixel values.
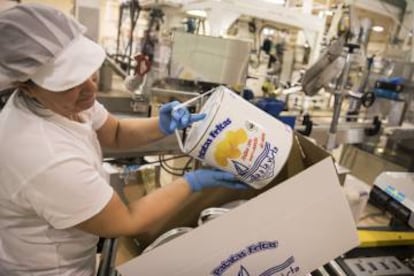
(287, 268)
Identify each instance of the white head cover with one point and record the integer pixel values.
(40, 43)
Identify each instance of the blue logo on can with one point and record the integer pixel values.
(262, 168)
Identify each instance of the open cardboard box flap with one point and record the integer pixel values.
(284, 225)
(303, 154)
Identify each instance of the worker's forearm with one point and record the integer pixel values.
(158, 205)
(137, 132)
(117, 219)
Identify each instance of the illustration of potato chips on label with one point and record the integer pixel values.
(228, 148)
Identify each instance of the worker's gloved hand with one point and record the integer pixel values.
(170, 119)
(204, 178)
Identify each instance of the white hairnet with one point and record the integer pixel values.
(6, 4)
(32, 43)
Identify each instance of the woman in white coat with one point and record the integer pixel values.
(54, 199)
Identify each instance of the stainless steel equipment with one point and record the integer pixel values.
(167, 236)
(326, 68)
(378, 266)
(167, 89)
(211, 59)
(392, 111)
(395, 111)
(211, 213)
(394, 192)
(107, 262)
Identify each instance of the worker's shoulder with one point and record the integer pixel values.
(39, 141)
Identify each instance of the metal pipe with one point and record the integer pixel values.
(115, 67)
(343, 116)
(107, 264)
(335, 268)
(169, 92)
(339, 98)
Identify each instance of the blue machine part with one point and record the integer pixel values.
(288, 120)
(393, 80)
(247, 94)
(271, 106)
(275, 107)
(386, 94)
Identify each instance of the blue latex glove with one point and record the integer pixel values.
(201, 179)
(178, 119)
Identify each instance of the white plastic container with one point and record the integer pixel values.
(239, 138)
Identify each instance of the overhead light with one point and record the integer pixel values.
(197, 13)
(268, 31)
(378, 29)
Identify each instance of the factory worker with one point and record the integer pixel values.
(54, 199)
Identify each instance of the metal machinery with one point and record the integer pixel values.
(394, 192)
(384, 250)
(331, 72)
(213, 61)
(393, 150)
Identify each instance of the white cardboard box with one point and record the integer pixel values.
(290, 229)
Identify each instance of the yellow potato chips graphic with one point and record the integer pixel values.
(238, 137)
(229, 146)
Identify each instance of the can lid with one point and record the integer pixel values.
(198, 129)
